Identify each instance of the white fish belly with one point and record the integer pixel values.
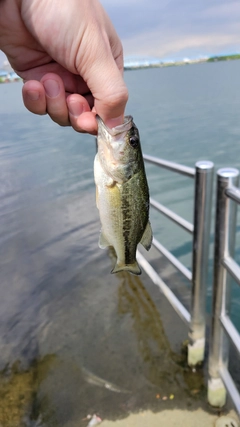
(108, 199)
(109, 203)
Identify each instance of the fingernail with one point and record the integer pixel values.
(75, 108)
(33, 95)
(51, 87)
(112, 123)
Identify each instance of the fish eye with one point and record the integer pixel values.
(134, 141)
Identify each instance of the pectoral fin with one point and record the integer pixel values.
(147, 237)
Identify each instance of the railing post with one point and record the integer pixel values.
(202, 220)
(225, 229)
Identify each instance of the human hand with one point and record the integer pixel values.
(70, 58)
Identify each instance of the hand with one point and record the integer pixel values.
(70, 58)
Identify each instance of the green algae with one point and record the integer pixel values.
(18, 390)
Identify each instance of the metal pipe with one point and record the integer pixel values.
(174, 261)
(232, 389)
(173, 300)
(233, 193)
(202, 221)
(175, 167)
(225, 226)
(231, 331)
(232, 267)
(186, 225)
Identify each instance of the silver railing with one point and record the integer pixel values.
(200, 229)
(225, 267)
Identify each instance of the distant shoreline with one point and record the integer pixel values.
(162, 64)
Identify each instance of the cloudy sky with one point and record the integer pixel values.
(175, 29)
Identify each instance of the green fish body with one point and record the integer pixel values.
(122, 193)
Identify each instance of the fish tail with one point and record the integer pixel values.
(131, 268)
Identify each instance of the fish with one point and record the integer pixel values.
(93, 379)
(122, 193)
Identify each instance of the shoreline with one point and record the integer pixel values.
(163, 64)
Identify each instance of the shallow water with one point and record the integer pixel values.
(62, 313)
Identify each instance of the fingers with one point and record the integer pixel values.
(55, 99)
(49, 97)
(81, 117)
(87, 48)
(34, 97)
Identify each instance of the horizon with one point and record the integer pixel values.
(156, 59)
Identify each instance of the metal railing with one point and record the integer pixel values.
(225, 267)
(200, 229)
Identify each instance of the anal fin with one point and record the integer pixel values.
(147, 237)
(103, 242)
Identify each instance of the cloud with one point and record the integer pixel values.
(166, 45)
(228, 10)
(175, 27)
(163, 28)
(134, 17)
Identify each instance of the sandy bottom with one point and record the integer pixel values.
(173, 418)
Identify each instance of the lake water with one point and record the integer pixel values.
(64, 319)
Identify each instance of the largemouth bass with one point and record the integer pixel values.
(122, 195)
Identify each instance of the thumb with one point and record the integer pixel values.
(104, 78)
(110, 95)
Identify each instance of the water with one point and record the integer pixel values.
(62, 313)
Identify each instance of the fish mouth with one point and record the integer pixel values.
(127, 124)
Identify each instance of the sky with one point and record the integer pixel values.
(175, 29)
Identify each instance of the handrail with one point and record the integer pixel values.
(232, 267)
(203, 175)
(231, 331)
(233, 193)
(223, 330)
(232, 389)
(174, 261)
(174, 301)
(174, 167)
(186, 225)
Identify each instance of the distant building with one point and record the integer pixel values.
(131, 62)
(8, 76)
